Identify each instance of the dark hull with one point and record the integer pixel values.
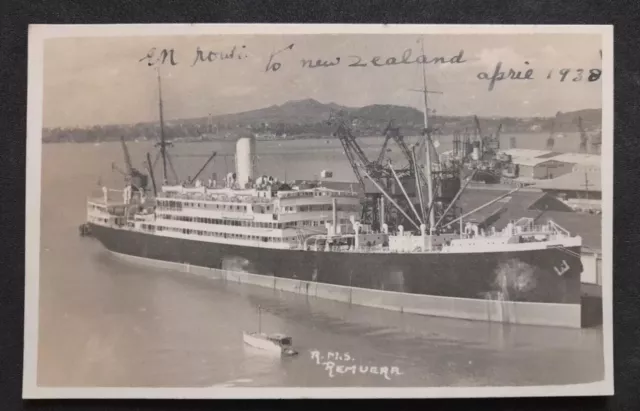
(523, 276)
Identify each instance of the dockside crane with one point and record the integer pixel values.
(550, 139)
(596, 140)
(583, 137)
(350, 146)
(377, 178)
(392, 132)
(132, 175)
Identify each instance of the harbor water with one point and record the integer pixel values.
(105, 322)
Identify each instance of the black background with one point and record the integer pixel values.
(15, 16)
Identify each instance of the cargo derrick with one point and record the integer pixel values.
(422, 192)
(138, 180)
(377, 179)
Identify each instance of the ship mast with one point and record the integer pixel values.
(163, 143)
(427, 135)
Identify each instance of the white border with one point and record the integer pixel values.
(39, 33)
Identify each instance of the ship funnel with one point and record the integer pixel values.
(245, 160)
(385, 228)
(400, 230)
(423, 229)
(476, 152)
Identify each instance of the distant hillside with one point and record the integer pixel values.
(307, 111)
(407, 116)
(591, 118)
(309, 118)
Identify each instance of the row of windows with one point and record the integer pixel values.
(234, 236)
(191, 204)
(177, 205)
(252, 224)
(315, 194)
(326, 207)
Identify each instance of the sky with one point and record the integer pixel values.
(101, 80)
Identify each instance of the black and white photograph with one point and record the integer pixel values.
(319, 211)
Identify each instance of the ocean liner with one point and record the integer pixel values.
(397, 244)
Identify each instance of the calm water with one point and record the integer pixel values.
(104, 322)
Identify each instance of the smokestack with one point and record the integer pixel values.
(476, 151)
(334, 212)
(245, 160)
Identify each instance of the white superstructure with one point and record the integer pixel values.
(316, 219)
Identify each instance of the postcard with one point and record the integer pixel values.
(319, 211)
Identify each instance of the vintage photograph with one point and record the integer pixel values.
(285, 211)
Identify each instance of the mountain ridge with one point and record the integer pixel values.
(310, 117)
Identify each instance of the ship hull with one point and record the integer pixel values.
(515, 287)
(261, 343)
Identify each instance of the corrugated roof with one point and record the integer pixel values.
(529, 161)
(581, 159)
(574, 181)
(526, 153)
(549, 155)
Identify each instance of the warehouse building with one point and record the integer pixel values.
(540, 168)
(582, 190)
(526, 153)
(581, 162)
(545, 164)
(577, 184)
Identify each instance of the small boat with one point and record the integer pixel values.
(275, 343)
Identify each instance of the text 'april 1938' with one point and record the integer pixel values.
(336, 363)
(500, 73)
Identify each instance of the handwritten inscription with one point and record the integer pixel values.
(575, 75)
(275, 65)
(499, 74)
(276, 62)
(211, 56)
(343, 363)
(405, 58)
(308, 63)
(155, 57)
